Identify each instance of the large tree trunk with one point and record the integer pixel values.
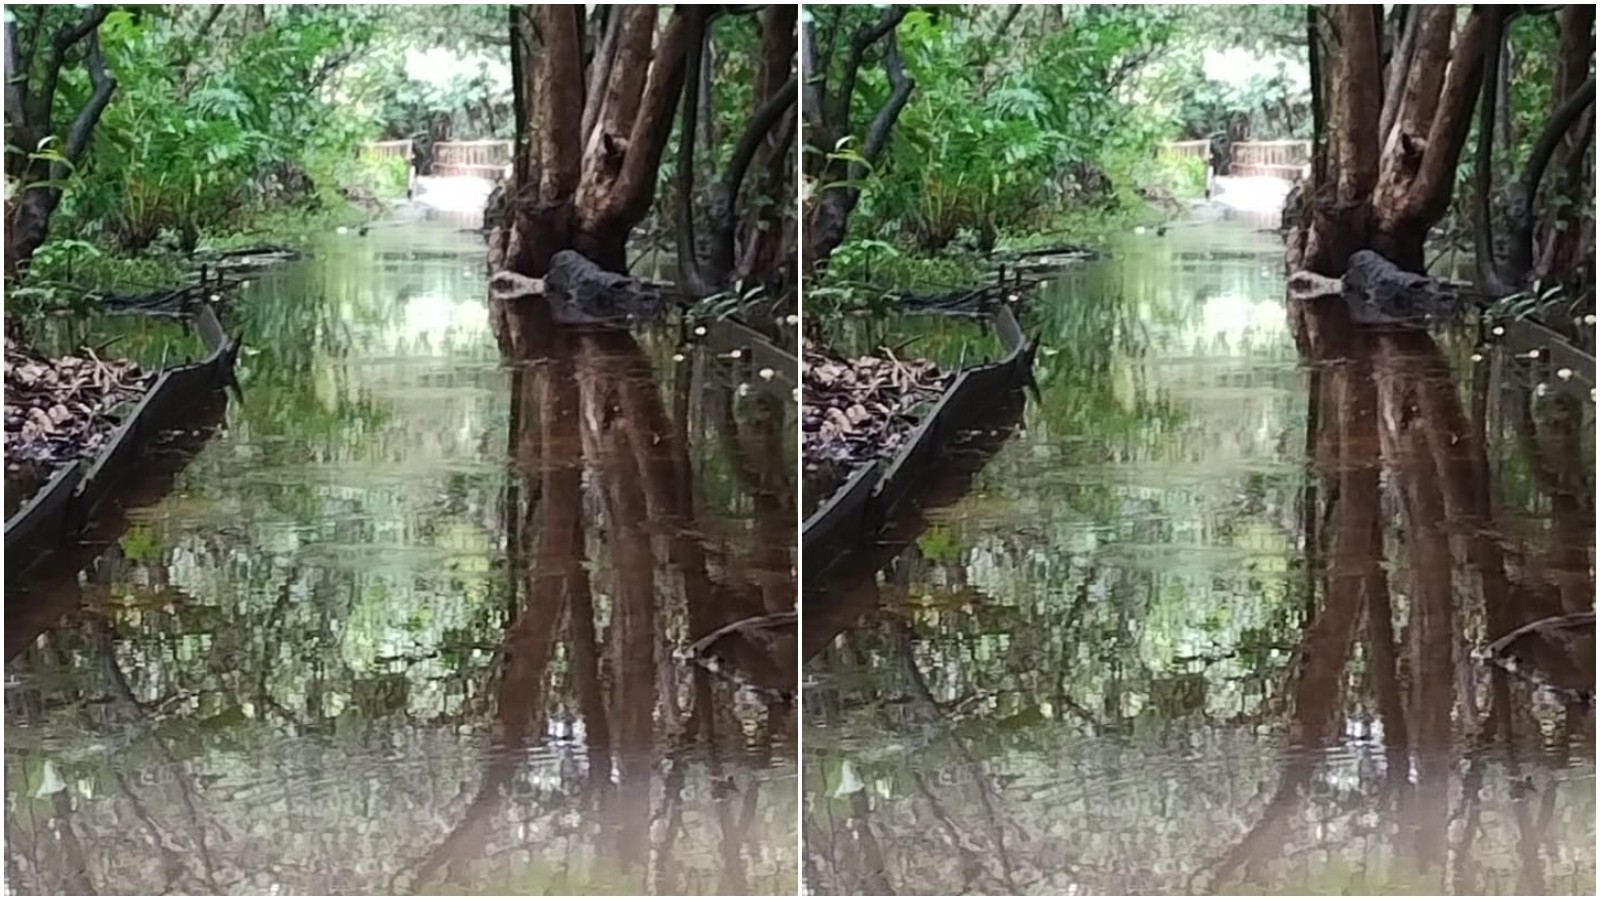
(1384, 189)
(586, 190)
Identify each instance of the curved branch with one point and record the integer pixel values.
(16, 79)
(66, 36)
(105, 85)
(1398, 67)
(688, 260)
(1490, 277)
(900, 86)
(1566, 116)
(762, 123)
(864, 37)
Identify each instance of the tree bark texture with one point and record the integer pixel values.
(585, 188)
(1385, 187)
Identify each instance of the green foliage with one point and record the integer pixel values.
(1002, 139)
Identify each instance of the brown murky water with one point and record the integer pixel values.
(1202, 617)
(409, 618)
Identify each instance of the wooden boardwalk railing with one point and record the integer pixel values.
(1200, 149)
(484, 159)
(480, 159)
(387, 150)
(1274, 159)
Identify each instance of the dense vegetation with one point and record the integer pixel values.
(135, 135)
(932, 129)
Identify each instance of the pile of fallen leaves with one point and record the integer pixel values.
(858, 409)
(62, 409)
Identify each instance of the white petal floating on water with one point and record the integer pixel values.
(677, 357)
(51, 783)
(341, 230)
(1498, 330)
(767, 374)
(1540, 389)
(735, 354)
(700, 330)
(792, 319)
(849, 781)
(1563, 373)
(1477, 357)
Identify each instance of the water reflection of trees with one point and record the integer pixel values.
(608, 486)
(1391, 427)
(334, 713)
(1361, 748)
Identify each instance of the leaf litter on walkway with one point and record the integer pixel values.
(66, 408)
(859, 409)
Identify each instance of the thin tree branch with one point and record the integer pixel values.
(66, 36)
(1399, 65)
(761, 124)
(16, 80)
(900, 87)
(1527, 189)
(688, 259)
(864, 37)
(599, 73)
(1489, 273)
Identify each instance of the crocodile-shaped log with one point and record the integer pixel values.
(580, 292)
(1378, 292)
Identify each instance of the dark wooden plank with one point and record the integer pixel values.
(44, 520)
(71, 496)
(840, 521)
(847, 519)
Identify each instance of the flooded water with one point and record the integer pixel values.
(408, 617)
(1201, 616)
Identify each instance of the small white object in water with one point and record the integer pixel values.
(244, 284)
(792, 319)
(735, 354)
(700, 330)
(744, 389)
(1139, 229)
(767, 374)
(51, 782)
(1534, 353)
(677, 357)
(849, 781)
(797, 394)
(1498, 330)
(1011, 298)
(1540, 389)
(1563, 373)
(1588, 319)
(341, 230)
(1477, 357)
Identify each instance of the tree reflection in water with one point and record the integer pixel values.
(541, 737)
(961, 740)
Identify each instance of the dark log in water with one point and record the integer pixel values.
(1378, 292)
(581, 292)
